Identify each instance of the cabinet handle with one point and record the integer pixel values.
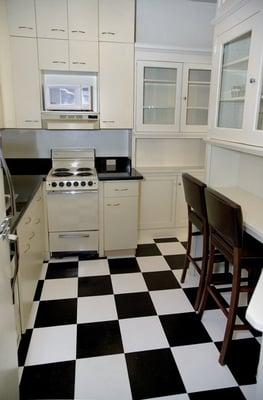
(109, 205)
(108, 33)
(122, 190)
(29, 219)
(32, 235)
(25, 27)
(31, 120)
(252, 80)
(179, 184)
(78, 63)
(37, 221)
(59, 62)
(27, 248)
(78, 32)
(116, 204)
(185, 98)
(57, 30)
(71, 236)
(108, 122)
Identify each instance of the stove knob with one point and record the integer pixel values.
(76, 184)
(68, 183)
(90, 183)
(54, 184)
(83, 183)
(61, 184)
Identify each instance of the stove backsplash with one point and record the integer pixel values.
(38, 143)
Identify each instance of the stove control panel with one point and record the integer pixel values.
(66, 185)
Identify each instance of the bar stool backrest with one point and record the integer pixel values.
(195, 197)
(224, 218)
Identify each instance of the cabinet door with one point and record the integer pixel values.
(83, 56)
(26, 82)
(21, 18)
(83, 19)
(157, 202)
(116, 20)
(52, 19)
(116, 85)
(53, 54)
(196, 89)
(120, 223)
(158, 96)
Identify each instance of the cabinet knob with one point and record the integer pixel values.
(252, 80)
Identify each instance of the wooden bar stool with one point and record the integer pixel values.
(197, 216)
(240, 249)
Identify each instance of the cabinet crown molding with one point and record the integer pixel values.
(147, 47)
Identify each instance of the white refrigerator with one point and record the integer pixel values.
(8, 335)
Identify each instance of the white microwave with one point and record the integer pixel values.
(72, 97)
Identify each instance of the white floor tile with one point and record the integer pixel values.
(242, 298)
(259, 339)
(20, 372)
(102, 378)
(171, 248)
(249, 391)
(143, 333)
(52, 344)
(94, 267)
(32, 315)
(128, 283)
(191, 280)
(215, 324)
(172, 301)
(154, 263)
(183, 396)
(43, 271)
(54, 289)
(200, 369)
(96, 308)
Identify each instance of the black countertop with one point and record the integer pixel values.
(122, 169)
(133, 174)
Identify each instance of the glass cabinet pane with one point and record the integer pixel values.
(233, 82)
(198, 97)
(159, 95)
(260, 112)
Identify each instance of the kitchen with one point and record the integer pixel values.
(136, 148)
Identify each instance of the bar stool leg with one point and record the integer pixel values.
(203, 269)
(188, 251)
(208, 280)
(232, 311)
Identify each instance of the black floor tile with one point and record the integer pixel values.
(184, 244)
(132, 305)
(56, 312)
(233, 393)
(153, 373)
(48, 381)
(38, 290)
(23, 347)
(123, 265)
(166, 240)
(62, 270)
(184, 329)
(94, 286)
(175, 261)
(191, 294)
(160, 280)
(144, 250)
(242, 360)
(98, 339)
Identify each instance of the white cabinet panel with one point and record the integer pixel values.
(83, 56)
(53, 54)
(26, 82)
(116, 85)
(52, 19)
(21, 17)
(83, 19)
(116, 20)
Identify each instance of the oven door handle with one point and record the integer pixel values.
(72, 236)
(71, 191)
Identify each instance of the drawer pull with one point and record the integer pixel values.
(72, 236)
(59, 62)
(108, 122)
(78, 32)
(121, 190)
(57, 30)
(116, 204)
(27, 248)
(78, 63)
(37, 221)
(31, 120)
(108, 33)
(29, 219)
(32, 235)
(25, 27)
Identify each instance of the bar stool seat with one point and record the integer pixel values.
(240, 249)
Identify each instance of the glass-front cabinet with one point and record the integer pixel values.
(158, 96)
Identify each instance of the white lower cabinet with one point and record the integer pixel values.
(31, 248)
(120, 215)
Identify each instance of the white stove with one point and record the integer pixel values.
(72, 169)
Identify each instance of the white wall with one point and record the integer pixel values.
(179, 23)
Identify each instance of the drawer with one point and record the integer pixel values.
(74, 241)
(121, 188)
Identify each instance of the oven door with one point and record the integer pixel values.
(72, 211)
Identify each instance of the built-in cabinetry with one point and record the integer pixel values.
(172, 97)
(31, 248)
(120, 210)
(236, 104)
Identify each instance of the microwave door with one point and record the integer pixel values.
(63, 97)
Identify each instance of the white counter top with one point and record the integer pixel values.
(168, 169)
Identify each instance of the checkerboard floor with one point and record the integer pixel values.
(118, 329)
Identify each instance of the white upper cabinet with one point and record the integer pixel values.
(236, 90)
(21, 17)
(26, 82)
(83, 18)
(116, 85)
(158, 96)
(116, 20)
(83, 56)
(53, 54)
(52, 19)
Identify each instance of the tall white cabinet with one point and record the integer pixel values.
(21, 17)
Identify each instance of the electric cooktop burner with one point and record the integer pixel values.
(62, 173)
(84, 174)
(61, 169)
(84, 169)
